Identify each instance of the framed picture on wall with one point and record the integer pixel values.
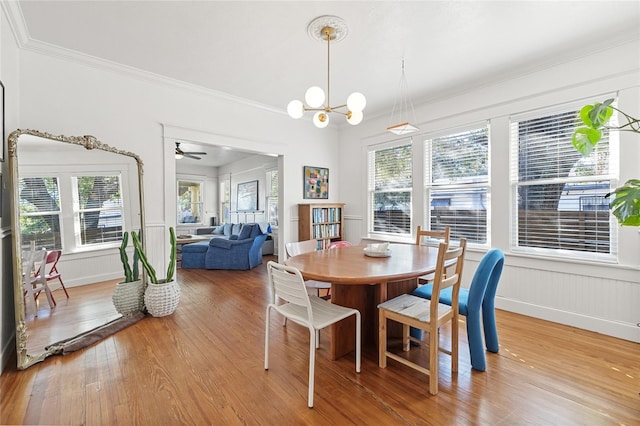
(316, 182)
(248, 196)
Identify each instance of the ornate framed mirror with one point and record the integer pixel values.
(77, 196)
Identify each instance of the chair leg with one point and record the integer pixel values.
(433, 362)
(63, 287)
(455, 330)
(382, 339)
(312, 363)
(490, 329)
(476, 348)
(266, 339)
(358, 340)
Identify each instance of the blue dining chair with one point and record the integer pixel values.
(479, 296)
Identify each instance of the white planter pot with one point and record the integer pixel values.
(128, 298)
(162, 299)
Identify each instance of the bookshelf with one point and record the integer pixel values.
(323, 222)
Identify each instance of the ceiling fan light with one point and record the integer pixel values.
(314, 97)
(355, 117)
(321, 119)
(179, 156)
(295, 109)
(356, 102)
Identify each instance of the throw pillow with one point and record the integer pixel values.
(218, 230)
(236, 229)
(227, 229)
(245, 232)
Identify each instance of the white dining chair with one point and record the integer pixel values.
(32, 284)
(299, 247)
(307, 310)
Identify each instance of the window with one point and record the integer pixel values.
(272, 197)
(40, 212)
(98, 209)
(189, 202)
(390, 186)
(457, 183)
(225, 200)
(558, 194)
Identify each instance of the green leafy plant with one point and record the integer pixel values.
(625, 200)
(151, 272)
(131, 272)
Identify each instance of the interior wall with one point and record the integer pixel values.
(10, 77)
(597, 296)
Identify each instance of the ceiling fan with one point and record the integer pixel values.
(180, 153)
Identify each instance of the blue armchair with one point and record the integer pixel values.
(243, 251)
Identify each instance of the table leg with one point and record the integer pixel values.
(364, 298)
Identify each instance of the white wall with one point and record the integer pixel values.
(595, 296)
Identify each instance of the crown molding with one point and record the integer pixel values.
(25, 42)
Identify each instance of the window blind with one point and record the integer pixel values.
(99, 209)
(457, 183)
(40, 212)
(559, 196)
(390, 187)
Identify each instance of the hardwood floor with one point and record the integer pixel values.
(204, 365)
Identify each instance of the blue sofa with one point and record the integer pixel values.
(242, 251)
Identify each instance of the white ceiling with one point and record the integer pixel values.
(260, 50)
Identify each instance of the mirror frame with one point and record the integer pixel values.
(90, 143)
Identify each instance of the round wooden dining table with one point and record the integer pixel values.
(362, 282)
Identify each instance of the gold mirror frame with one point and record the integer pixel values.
(90, 143)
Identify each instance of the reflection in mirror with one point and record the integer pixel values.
(73, 198)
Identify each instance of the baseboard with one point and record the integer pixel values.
(620, 330)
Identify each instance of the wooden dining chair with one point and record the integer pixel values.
(310, 311)
(299, 247)
(426, 315)
(431, 237)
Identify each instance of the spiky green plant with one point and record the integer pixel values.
(151, 272)
(131, 273)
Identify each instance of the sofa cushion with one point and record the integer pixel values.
(236, 227)
(255, 231)
(233, 237)
(219, 230)
(227, 230)
(245, 232)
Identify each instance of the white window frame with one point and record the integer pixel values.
(371, 191)
(460, 186)
(612, 177)
(200, 204)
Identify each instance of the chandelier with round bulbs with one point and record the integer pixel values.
(328, 28)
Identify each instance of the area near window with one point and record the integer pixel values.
(390, 188)
(457, 183)
(190, 201)
(71, 211)
(558, 195)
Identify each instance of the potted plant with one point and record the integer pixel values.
(625, 203)
(162, 295)
(128, 296)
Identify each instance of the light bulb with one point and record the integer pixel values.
(355, 117)
(314, 97)
(179, 156)
(295, 109)
(321, 119)
(356, 102)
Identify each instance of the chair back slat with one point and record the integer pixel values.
(299, 247)
(287, 284)
(427, 237)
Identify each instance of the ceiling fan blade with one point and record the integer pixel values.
(189, 155)
(196, 153)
